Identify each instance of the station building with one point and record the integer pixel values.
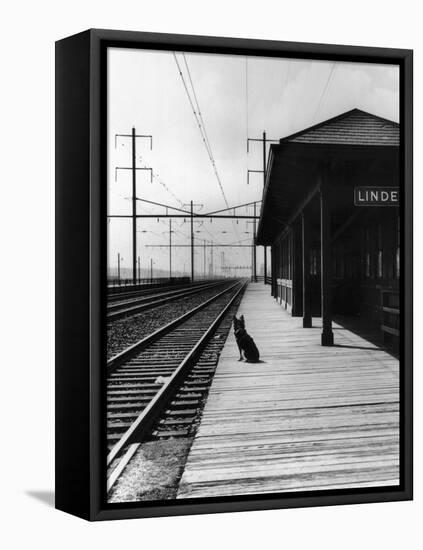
(330, 215)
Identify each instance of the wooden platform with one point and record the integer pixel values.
(308, 417)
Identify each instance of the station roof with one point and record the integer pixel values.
(295, 160)
(354, 127)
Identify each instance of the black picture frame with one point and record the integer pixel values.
(81, 284)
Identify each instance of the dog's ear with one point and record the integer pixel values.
(241, 318)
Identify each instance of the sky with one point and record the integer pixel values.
(238, 97)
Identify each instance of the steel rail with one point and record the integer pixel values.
(143, 423)
(145, 303)
(140, 292)
(123, 356)
(129, 300)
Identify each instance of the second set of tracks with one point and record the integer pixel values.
(156, 387)
(125, 306)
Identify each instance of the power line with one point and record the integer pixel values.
(192, 106)
(202, 130)
(159, 180)
(198, 106)
(162, 183)
(202, 127)
(240, 241)
(326, 87)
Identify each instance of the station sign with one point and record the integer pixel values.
(376, 196)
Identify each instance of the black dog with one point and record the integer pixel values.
(245, 342)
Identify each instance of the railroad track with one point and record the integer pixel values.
(157, 387)
(132, 306)
(113, 297)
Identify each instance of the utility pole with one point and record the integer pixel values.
(170, 248)
(192, 243)
(151, 270)
(139, 270)
(252, 260)
(133, 135)
(254, 247)
(211, 252)
(263, 140)
(134, 209)
(264, 184)
(204, 258)
(181, 213)
(119, 268)
(191, 214)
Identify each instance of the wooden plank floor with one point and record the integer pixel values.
(308, 417)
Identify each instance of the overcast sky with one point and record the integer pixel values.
(238, 97)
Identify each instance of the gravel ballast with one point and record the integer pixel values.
(125, 332)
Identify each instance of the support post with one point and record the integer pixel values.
(119, 268)
(307, 317)
(264, 183)
(325, 223)
(139, 270)
(170, 248)
(192, 243)
(211, 254)
(134, 211)
(254, 247)
(265, 263)
(204, 258)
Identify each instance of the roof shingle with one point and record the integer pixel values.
(355, 127)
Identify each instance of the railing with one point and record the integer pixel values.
(390, 326)
(262, 279)
(284, 293)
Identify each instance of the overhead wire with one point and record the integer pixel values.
(325, 89)
(160, 181)
(198, 106)
(203, 132)
(198, 121)
(196, 109)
